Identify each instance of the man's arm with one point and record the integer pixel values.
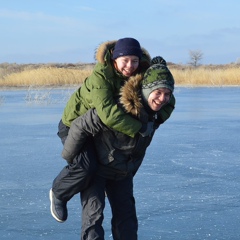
(81, 128)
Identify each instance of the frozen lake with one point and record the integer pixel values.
(188, 187)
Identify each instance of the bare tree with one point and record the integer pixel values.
(195, 57)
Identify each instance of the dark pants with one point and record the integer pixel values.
(120, 195)
(62, 131)
(75, 177)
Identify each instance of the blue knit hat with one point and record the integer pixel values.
(127, 46)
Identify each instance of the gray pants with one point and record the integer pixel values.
(75, 176)
(120, 195)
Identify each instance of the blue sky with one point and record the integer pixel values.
(70, 31)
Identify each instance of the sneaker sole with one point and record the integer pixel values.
(51, 207)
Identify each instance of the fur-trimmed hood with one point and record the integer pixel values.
(104, 48)
(131, 100)
(130, 95)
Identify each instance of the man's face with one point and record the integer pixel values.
(158, 98)
(127, 65)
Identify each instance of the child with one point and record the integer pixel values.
(116, 62)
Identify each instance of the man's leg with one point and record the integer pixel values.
(93, 204)
(124, 220)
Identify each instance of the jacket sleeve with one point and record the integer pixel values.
(81, 128)
(109, 112)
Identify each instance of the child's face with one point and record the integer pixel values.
(127, 65)
(158, 98)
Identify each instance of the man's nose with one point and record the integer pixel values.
(162, 97)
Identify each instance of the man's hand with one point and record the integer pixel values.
(147, 129)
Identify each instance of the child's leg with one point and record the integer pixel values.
(71, 180)
(62, 131)
(76, 176)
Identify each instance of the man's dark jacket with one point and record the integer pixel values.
(118, 154)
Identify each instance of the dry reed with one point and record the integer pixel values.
(203, 76)
(46, 76)
(70, 74)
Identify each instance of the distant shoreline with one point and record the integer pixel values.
(20, 88)
(24, 76)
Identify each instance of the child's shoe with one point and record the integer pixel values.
(58, 208)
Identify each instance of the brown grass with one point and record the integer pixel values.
(46, 77)
(43, 75)
(15, 75)
(207, 75)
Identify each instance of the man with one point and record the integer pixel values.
(119, 156)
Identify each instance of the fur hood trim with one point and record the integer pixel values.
(130, 95)
(102, 50)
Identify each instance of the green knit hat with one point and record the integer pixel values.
(157, 76)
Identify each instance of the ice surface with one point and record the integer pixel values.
(187, 188)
